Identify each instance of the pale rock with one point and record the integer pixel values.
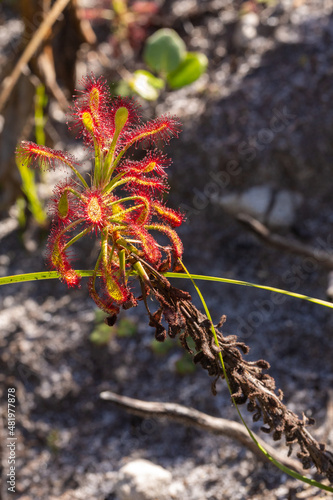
(282, 213)
(143, 480)
(271, 207)
(255, 202)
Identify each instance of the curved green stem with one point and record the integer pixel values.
(116, 183)
(78, 236)
(44, 275)
(76, 193)
(76, 172)
(320, 302)
(94, 273)
(114, 218)
(127, 198)
(105, 248)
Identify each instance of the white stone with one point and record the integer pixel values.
(255, 202)
(274, 209)
(283, 210)
(143, 480)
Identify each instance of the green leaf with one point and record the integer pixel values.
(164, 51)
(189, 70)
(146, 85)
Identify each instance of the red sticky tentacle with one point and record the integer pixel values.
(162, 128)
(59, 259)
(168, 214)
(154, 161)
(148, 244)
(42, 156)
(102, 301)
(177, 245)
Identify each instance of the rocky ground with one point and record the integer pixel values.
(257, 138)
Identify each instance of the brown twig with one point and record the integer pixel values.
(325, 258)
(195, 418)
(30, 49)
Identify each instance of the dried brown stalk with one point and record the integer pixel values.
(248, 380)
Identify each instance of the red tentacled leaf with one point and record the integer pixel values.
(177, 245)
(42, 156)
(162, 128)
(167, 214)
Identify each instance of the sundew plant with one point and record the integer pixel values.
(122, 205)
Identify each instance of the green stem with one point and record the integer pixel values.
(124, 243)
(97, 169)
(112, 253)
(116, 183)
(128, 198)
(76, 193)
(104, 248)
(78, 236)
(115, 179)
(113, 185)
(95, 271)
(114, 218)
(122, 264)
(133, 141)
(76, 172)
(69, 227)
(120, 120)
(141, 271)
(320, 302)
(108, 164)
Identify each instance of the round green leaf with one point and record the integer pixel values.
(189, 70)
(146, 85)
(164, 51)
